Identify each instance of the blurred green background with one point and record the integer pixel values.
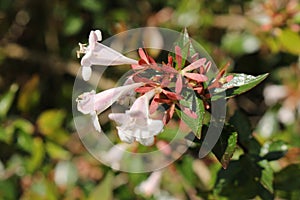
(41, 156)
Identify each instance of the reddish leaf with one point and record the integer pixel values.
(194, 57)
(143, 62)
(170, 60)
(171, 110)
(154, 104)
(172, 95)
(143, 89)
(196, 77)
(151, 60)
(178, 57)
(178, 87)
(139, 79)
(169, 69)
(207, 66)
(137, 67)
(143, 55)
(189, 112)
(165, 82)
(195, 65)
(199, 89)
(167, 101)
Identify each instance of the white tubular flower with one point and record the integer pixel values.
(135, 123)
(151, 185)
(93, 104)
(99, 54)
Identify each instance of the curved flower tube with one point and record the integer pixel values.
(135, 123)
(99, 54)
(93, 104)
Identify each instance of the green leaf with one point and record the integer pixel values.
(241, 123)
(273, 150)
(7, 99)
(24, 125)
(41, 188)
(239, 84)
(57, 152)
(245, 138)
(29, 94)
(290, 41)
(49, 121)
(186, 46)
(91, 5)
(50, 124)
(25, 142)
(8, 189)
(37, 155)
(225, 146)
(288, 178)
(73, 25)
(104, 189)
(267, 175)
(195, 104)
(245, 179)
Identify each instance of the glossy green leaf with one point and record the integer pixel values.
(6, 100)
(104, 190)
(274, 150)
(239, 84)
(225, 146)
(195, 104)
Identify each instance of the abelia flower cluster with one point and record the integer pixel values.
(151, 89)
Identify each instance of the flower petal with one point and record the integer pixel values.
(104, 55)
(86, 73)
(85, 102)
(155, 126)
(96, 121)
(125, 137)
(146, 141)
(120, 118)
(98, 34)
